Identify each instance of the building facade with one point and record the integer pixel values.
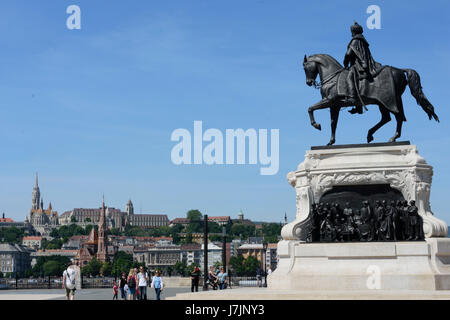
(32, 242)
(159, 257)
(214, 255)
(115, 218)
(14, 259)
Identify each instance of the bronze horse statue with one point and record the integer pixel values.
(384, 90)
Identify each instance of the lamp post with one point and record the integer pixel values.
(224, 248)
(265, 263)
(205, 253)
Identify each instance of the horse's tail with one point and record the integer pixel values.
(416, 90)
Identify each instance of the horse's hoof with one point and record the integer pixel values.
(395, 137)
(332, 141)
(369, 139)
(317, 126)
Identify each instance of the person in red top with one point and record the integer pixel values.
(115, 290)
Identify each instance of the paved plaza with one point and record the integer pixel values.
(85, 294)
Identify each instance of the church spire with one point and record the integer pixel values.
(102, 238)
(36, 196)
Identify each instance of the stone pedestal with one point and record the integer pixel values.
(414, 265)
(418, 265)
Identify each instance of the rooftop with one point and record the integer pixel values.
(38, 238)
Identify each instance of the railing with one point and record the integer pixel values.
(52, 283)
(247, 282)
(107, 282)
(40, 283)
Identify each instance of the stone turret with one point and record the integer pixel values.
(130, 208)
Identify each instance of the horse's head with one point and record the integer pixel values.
(311, 71)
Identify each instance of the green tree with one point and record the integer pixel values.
(54, 233)
(1, 275)
(250, 265)
(194, 215)
(242, 230)
(28, 273)
(88, 229)
(107, 269)
(214, 227)
(195, 221)
(271, 232)
(92, 268)
(181, 268)
(52, 268)
(188, 238)
(115, 232)
(60, 261)
(237, 265)
(73, 219)
(122, 262)
(11, 235)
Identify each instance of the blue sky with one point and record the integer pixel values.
(93, 110)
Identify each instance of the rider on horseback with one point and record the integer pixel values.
(362, 66)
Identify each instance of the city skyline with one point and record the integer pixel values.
(37, 202)
(93, 110)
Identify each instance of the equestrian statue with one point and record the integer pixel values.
(362, 81)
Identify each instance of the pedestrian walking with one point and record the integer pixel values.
(132, 283)
(69, 281)
(115, 290)
(195, 278)
(142, 282)
(158, 284)
(122, 283)
(212, 278)
(259, 276)
(126, 289)
(222, 278)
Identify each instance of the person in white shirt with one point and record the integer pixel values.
(142, 283)
(69, 281)
(158, 284)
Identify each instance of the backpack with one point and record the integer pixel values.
(71, 282)
(132, 282)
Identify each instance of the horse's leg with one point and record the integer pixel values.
(385, 118)
(334, 114)
(319, 105)
(398, 132)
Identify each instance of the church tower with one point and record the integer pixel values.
(130, 208)
(102, 238)
(36, 195)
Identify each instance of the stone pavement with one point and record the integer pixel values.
(85, 294)
(268, 294)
